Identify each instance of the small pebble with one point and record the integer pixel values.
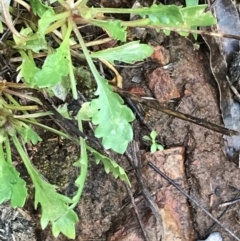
(215, 236)
(137, 79)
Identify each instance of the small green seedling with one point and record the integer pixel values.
(154, 146)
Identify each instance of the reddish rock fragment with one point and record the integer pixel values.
(173, 206)
(137, 91)
(162, 86)
(161, 55)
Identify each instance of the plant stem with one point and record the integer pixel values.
(23, 96)
(24, 157)
(64, 135)
(119, 10)
(2, 157)
(10, 98)
(34, 115)
(55, 26)
(13, 107)
(139, 11)
(8, 150)
(82, 162)
(86, 53)
(71, 71)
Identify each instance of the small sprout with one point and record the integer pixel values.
(154, 146)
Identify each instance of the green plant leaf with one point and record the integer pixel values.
(28, 70)
(35, 44)
(153, 147)
(110, 165)
(1, 27)
(112, 118)
(190, 3)
(19, 191)
(88, 13)
(46, 19)
(153, 135)
(127, 53)
(87, 112)
(54, 68)
(63, 110)
(38, 7)
(12, 187)
(147, 138)
(160, 147)
(61, 90)
(165, 14)
(55, 208)
(195, 16)
(28, 134)
(114, 28)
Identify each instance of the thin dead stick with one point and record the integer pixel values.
(191, 199)
(229, 203)
(220, 216)
(137, 213)
(8, 19)
(234, 90)
(154, 104)
(146, 194)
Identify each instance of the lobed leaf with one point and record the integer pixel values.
(36, 42)
(86, 112)
(12, 187)
(28, 69)
(195, 16)
(54, 68)
(190, 3)
(165, 14)
(127, 53)
(55, 208)
(114, 28)
(46, 19)
(28, 134)
(38, 7)
(110, 165)
(112, 118)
